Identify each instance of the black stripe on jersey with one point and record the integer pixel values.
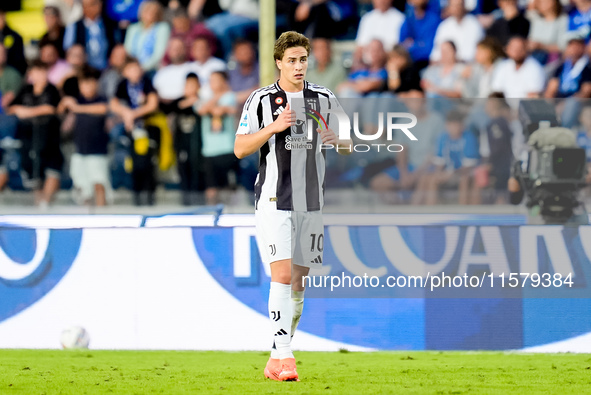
(312, 190)
(264, 151)
(284, 187)
(260, 90)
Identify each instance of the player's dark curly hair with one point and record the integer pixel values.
(289, 40)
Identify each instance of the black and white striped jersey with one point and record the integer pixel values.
(291, 166)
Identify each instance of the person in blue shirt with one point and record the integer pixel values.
(95, 32)
(369, 79)
(579, 18)
(456, 157)
(418, 31)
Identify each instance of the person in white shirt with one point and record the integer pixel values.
(382, 23)
(170, 80)
(462, 29)
(204, 65)
(520, 76)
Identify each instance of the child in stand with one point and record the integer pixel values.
(187, 142)
(218, 129)
(89, 166)
(39, 132)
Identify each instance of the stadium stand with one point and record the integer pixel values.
(427, 58)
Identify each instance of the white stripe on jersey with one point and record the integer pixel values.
(250, 122)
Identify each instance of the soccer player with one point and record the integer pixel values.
(288, 189)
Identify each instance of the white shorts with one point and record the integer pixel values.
(87, 171)
(296, 235)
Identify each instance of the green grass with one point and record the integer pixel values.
(175, 372)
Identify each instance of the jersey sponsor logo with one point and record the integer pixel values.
(297, 143)
(32, 262)
(299, 128)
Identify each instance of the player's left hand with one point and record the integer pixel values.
(328, 137)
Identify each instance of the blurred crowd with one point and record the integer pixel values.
(124, 93)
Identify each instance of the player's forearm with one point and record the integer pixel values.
(248, 144)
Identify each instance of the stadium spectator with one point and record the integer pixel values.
(96, 33)
(218, 131)
(325, 70)
(204, 64)
(418, 32)
(10, 85)
(170, 80)
(461, 28)
(89, 166)
(445, 78)
(10, 81)
(76, 58)
(383, 23)
(70, 10)
(520, 76)
(572, 80)
(58, 68)
(199, 10)
(134, 102)
(188, 31)
(187, 142)
(403, 78)
(573, 76)
(55, 29)
(323, 18)
(13, 42)
(112, 76)
(38, 130)
(456, 156)
(244, 76)
(239, 19)
(547, 31)
(369, 79)
(498, 154)
(479, 74)
(418, 156)
(146, 40)
(512, 23)
(579, 18)
(124, 12)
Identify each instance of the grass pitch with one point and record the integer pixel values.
(173, 372)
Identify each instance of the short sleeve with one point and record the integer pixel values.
(471, 155)
(121, 93)
(148, 87)
(19, 98)
(53, 96)
(249, 122)
(439, 159)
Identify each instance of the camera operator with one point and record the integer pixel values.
(550, 175)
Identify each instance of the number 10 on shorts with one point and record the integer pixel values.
(317, 242)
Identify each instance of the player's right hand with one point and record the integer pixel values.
(285, 120)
